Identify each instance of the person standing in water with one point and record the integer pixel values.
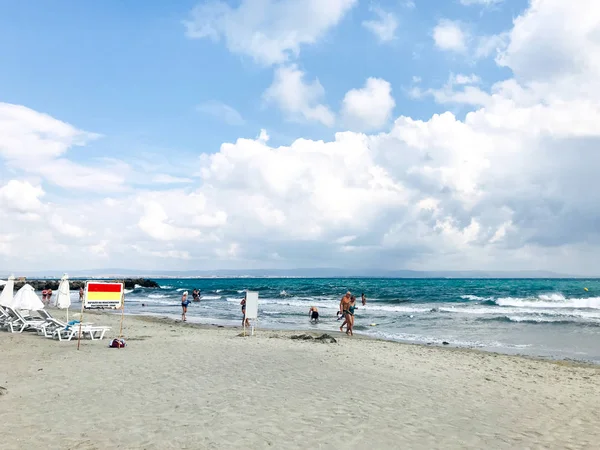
(313, 312)
(184, 304)
(364, 299)
(195, 295)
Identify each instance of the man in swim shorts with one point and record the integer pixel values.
(313, 312)
(344, 305)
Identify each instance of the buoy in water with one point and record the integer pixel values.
(585, 289)
(373, 324)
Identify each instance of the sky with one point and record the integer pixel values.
(399, 134)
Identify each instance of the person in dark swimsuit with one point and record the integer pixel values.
(195, 295)
(350, 316)
(313, 312)
(184, 304)
(364, 299)
(244, 320)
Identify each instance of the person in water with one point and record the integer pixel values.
(195, 295)
(313, 312)
(350, 316)
(245, 322)
(364, 299)
(184, 304)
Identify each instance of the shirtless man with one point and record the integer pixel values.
(313, 312)
(364, 299)
(344, 305)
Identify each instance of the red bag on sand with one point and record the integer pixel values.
(117, 343)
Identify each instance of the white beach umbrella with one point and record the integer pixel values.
(6, 298)
(27, 299)
(63, 298)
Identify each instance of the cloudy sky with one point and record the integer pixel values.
(423, 134)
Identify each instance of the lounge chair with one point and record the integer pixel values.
(17, 323)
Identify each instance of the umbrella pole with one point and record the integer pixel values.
(80, 322)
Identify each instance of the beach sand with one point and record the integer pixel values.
(181, 386)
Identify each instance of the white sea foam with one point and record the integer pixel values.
(210, 297)
(128, 291)
(158, 296)
(474, 297)
(588, 303)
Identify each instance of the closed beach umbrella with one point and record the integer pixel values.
(27, 299)
(6, 298)
(63, 298)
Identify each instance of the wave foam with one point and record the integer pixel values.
(557, 302)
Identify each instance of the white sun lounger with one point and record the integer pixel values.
(17, 323)
(69, 332)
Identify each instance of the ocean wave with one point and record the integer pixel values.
(128, 291)
(558, 301)
(158, 296)
(557, 320)
(211, 297)
(474, 297)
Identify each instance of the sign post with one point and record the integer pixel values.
(102, 295)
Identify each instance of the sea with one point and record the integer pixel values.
(551, 318)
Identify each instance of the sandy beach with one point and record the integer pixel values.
(183, 386)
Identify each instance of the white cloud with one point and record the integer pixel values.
(21, 198)
(370, 107)
(384, 27)
(449, 35)
(38, 144)
(299, 99)
(467, 93)
(222, 111)
(493, 44)
(513, 184)
(163, 178)
(269, 31)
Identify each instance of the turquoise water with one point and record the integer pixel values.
(554, 318)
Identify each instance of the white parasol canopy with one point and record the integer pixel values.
(27, 299)
(6, 298)
(63, 298)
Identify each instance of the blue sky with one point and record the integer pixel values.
(128, 71)
(296, 133)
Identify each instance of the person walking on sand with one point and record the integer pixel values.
(245, 321)
(344, 303)
(80, 294)
(350, 316)
(313, 312)
(48, 296)
(184, 304)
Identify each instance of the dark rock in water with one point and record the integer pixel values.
(445, 343)
(40, 285)
(3, 390)
(434, 310)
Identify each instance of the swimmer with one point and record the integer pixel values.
(313, 312)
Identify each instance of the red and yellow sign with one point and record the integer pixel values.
(101, 294)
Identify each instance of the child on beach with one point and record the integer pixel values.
(184, 304)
